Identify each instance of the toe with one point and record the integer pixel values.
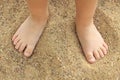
(90, 57)
(101, 53)
(14, 37)
(105, 45)
(96, 54)
(104, 50)
(16, 41)
(22, 47)
(18, 45)
(28, 51)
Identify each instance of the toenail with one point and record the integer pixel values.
(92, 60)
(27, 54)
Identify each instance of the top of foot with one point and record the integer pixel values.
(92, 42)
(28, 34)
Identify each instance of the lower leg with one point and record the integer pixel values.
(85, 10)
(26, 37)
(38, 8)
(92, 42)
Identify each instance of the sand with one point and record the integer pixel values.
(58, 55)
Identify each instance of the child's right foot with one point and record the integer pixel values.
(27, 36)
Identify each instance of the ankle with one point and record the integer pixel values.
(40, 14)
(84, 22)
(40, 17)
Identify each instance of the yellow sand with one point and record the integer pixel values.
(58, 55)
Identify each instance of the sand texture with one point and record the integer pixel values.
(58, 55)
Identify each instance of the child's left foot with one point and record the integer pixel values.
(92, 42)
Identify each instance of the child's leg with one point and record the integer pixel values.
(26, 37)
(92, 42)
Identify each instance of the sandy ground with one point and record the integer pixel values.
(58, 55)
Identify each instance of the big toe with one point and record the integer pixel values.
(29, 50)
(90, 58)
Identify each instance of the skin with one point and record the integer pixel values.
(28, 34)
(91, 40)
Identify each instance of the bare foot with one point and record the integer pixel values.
(28, 34)
(92, 42)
